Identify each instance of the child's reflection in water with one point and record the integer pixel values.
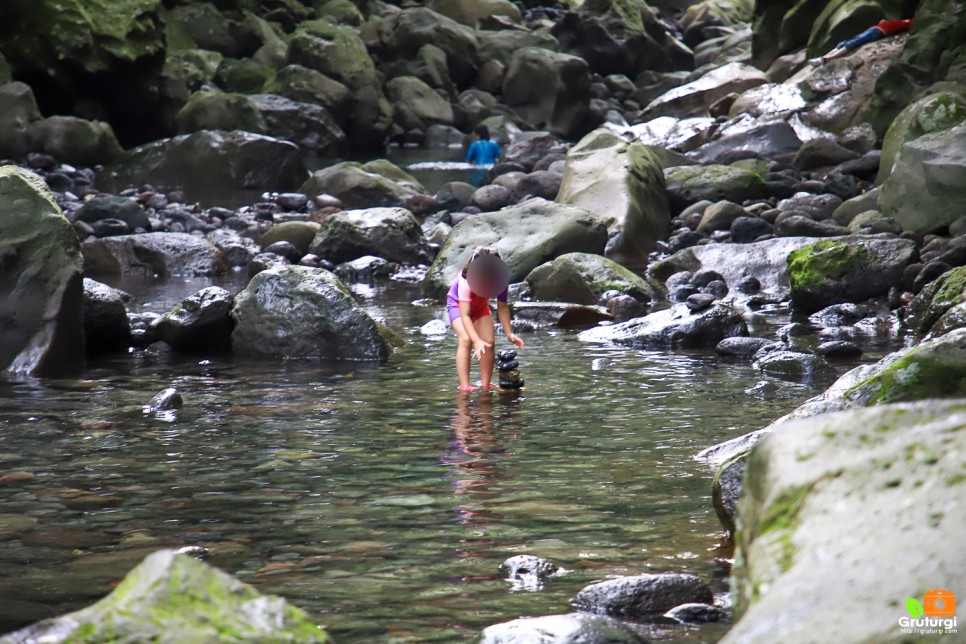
(479, 450)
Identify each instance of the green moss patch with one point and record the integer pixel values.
(813, 267)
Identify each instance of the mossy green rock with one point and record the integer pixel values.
(18, 110)
(74, 140)
(390, 233)
(527, 235)
(358, 187)
(689, 184)
(298, 233)
(832, 498)
(405, 32)
(471, 12)
(245, 76)
(334, 50)
(839, 20)
(171, 598)
(549, 90)
(41, 279)
(215, 110)
(853, 270)
(939, 307)
(582, 278)
(95, 35)
(310, 86)
(925, 191)
(5, 75)
(932, 113)
(623, 183)
(301, 312)
(416, 105)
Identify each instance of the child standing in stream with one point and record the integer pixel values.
(485, 275)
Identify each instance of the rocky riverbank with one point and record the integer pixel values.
(679, 171)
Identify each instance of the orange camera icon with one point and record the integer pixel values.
(939, 603)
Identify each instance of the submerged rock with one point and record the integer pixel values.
(834, 496)
(40, 277)
(642, 596)
(528, 572)
(697, 613)
(173, 598)
(676, 327)
(300, 312)
(573, 628)
(565, 315)
(164, 400)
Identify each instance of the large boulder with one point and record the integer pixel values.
(337, 52)
(527, 235)
(171, 597)
(108, 55)
(472, 12)
(111, 207)
(925, 191)
(642, 596)
(694, 98)
(676, 327)
(405, 32)
(583, 278)
(549, 90)
(41, 279)
(18, 110)
(209, 161)
(306, 85)
(689, 184)
(500, 45)
(624, 184)
(358, 187)
(300, 312)
(416, 105)
(390, 233)
(298, 233)
(556, 629)
(153, 254)
(766, 261)
(831, 498)
(74, 140)
(621, 37)
(932, 113)
(201, 323)
(307, 125)
(851, 269)
(106, 325)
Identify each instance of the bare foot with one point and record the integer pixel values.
(466, 388)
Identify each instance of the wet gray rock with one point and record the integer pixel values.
(584, 278)
(549, 90)
(765, 141)
(794, 366)
(838, 315)
(286, 250)
(747, 229)
(150, 254)
(110, 228)
(365, 269)
(111, 207)
(528, 572)
(726, 490)
(530, 316)
(801, 226)
(720, 216)
(264, 261)
(839, 349)
(697, 614)
(201, 323)
(165, 400)
(676, 327)
(818, 207)
(820, 153)
(490, 198)
(699, 301)
(40, 278)
(300, 312)
(542, 184)
(741, 347)
(573, 628)
(690, 184)
(642, 596)
(376, 184)
(106, 325)
(197, 162)
(391, 233)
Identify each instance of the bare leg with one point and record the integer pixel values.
(463, 350)
(484, 327)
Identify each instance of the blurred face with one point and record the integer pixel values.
(488, 276)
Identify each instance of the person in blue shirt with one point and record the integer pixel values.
(483, 151)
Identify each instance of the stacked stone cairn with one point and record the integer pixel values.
(508, 366)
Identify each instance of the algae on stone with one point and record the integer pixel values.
(171, 598)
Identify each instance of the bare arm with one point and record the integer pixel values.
(479, 346)
(503, 311)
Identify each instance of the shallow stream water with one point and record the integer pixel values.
(375, 497)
